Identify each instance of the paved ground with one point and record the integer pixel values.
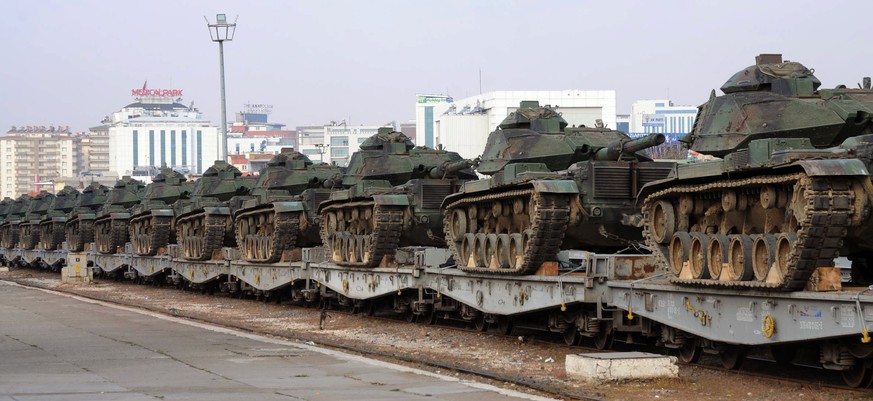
(55, 347)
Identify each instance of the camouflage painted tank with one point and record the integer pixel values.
(9, 229)
(51, 228)
(789, 192)
(29, 233)
(79, 229)
(151, 220)
(552, 187)
(281, 213)
(393, 198)
(203, 222)
(111, 224)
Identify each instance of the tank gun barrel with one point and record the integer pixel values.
(615, 149)
(452, 168)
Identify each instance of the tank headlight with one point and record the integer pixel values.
(596, 212)
(424, 219)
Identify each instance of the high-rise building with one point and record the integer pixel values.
(33, 157)
(159, 131)
(251, 132)
(334, 143)
(94, 152)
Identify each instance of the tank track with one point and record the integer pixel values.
(10, 236)
(197, 246)
(117, 236)
(382, 241)
(29, 236)
(51, 237)
(79, 233)
(829, 207)
(154, 233)
(286, 227)
(546, 230)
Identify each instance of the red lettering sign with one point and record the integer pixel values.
(156, 92)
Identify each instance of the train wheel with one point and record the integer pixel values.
(603, 339)
(689, 352)
(860, 375)
(479, 322)
(571, 336)
(504, 325)
(732, 357)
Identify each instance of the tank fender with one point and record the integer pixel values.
(397, 200)
(163, 212)
(119, 215)
(217, 210)
(290, 206)
(838, 167)
(86, 216)
(61, 219)
(555, 186)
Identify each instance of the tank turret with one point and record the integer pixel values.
(790, 172)
(79, 229)
(203, 222)
(553, 187)
(10, 229)
(29, 229)
(392, 200)
(280, 214)
(51, 227)
(111, 224)
(151, 220)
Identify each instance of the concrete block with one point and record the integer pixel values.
(617, 366)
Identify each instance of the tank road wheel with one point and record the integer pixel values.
(717, 254)
(689, 352)
(785, 244)
(698, 255)
(458, 224)
(491, 252)
(678, 251)
(768, 196)
(663, 221)
(740, 258)
(479, 256)
(516, 250)
(763, 251)
(504, 255)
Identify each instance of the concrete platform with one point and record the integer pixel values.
(56, 347)
(617, 366)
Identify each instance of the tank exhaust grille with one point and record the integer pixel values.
(647, 175)
(432, 195)
(612, 182)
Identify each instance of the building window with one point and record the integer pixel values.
(151, 148)
(173, 148)
(135, 148)
(252, 147)
(339, 152)
(339, 141)
(185, 148)
(163, 148)
(237, 148)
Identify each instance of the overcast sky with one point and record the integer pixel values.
(72, 62)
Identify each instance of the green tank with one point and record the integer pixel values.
(29, 233)
(79, 229)
(393, 199)
(151, 220)
(10, 229)
(111, 224)
(787, 190)
(51, 228)
(203, 222)
(280, 214)
(552, 187)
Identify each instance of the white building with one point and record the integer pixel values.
(333, 143)
(33, 157)
(253, 133)
(463, 125)
(661, 116)
(158, 131)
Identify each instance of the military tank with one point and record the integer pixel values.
(393, 199)
(13, 212)
(552, 187)
(788, 190)
(29, 233)
(111, 223)
(281, 212)
(79, 228)
(203, 222)
(151, 220)
(51, 227)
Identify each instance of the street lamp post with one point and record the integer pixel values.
(322, 149)
(221, 31)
